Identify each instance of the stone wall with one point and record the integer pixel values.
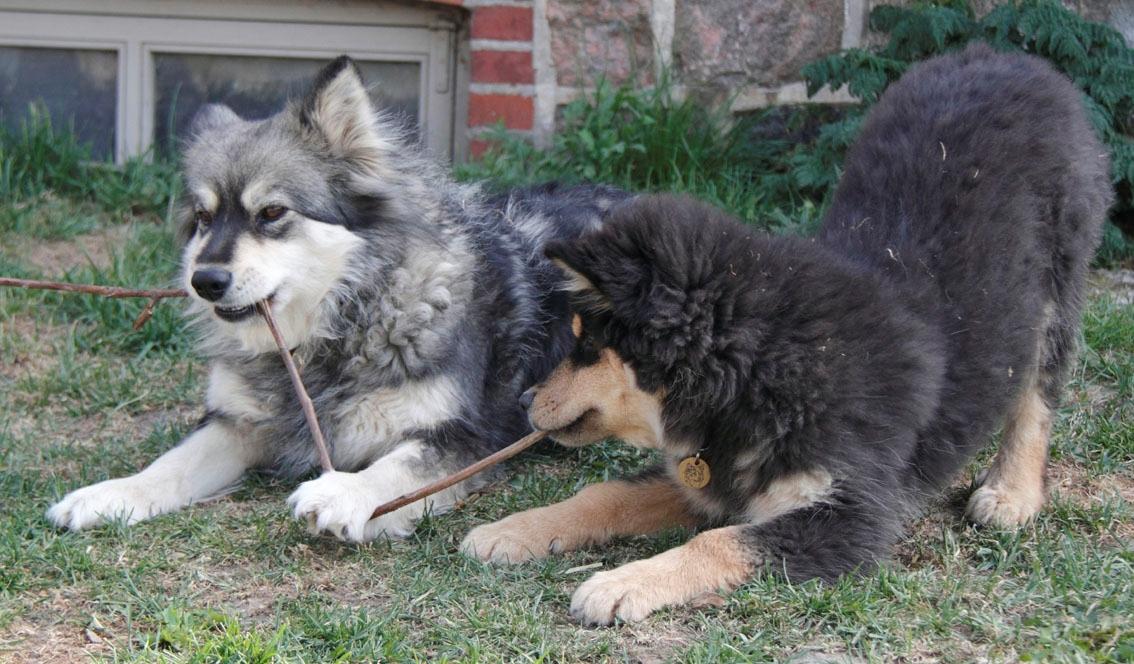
(528, 57)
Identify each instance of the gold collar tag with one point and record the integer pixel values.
(693, 472)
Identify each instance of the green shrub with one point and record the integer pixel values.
(639, 138)
(645, 140)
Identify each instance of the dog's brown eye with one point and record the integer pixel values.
(272, 212)
(204, 218)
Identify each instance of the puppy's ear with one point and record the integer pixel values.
(210, 117)
(579, 279)
(339, 110)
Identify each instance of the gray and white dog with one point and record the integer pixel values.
(418, 310)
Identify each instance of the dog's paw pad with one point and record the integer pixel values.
(993, 505)
(509, 541)
(620, 593)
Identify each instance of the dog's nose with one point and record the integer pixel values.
(527, 398)
(211, 283)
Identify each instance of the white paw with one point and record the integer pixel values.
(126, 499)
(514, 539)
(629, 593)
(994, 505)
(341, 504)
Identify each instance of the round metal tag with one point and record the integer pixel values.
(693, 472)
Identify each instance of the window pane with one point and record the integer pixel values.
(256, 87)
(78, 87)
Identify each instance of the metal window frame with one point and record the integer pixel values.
(230, 29)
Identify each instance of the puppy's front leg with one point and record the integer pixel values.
(719, 559)
(208, 461)
(592, 516)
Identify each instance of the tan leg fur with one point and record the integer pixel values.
(1013, 490)
(714, 560)
(592, 516)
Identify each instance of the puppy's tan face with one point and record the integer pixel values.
(594, 395)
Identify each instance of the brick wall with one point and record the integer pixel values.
(501, 70)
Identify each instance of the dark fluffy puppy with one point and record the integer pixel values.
(809, 393)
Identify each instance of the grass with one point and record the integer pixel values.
(83, 398)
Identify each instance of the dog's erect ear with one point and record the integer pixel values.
(338, 108)
(211, 116)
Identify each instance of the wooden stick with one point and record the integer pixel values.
(92, 289)
(147, 312)
(446, 482)
(304, 400)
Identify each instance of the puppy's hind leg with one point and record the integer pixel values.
(1013, 489)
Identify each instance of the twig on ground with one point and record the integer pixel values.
(305, 401)
(446, 482)
(146, 314)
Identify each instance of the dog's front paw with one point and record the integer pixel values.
(515, 539)
(341, 504)
(996, 505)
(124, 499)
(629, 593)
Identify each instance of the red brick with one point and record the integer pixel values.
(502, 67)
(508, 23)
(516, 111)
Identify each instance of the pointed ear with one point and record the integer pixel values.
(210, 117)
(578, 279)
(338, 109)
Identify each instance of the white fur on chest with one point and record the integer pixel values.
(369, 426)
(230, 394)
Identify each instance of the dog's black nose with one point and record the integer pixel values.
(527, 398)
(211, 283)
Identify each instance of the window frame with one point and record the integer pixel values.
(137, 38)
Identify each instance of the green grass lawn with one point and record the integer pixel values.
(82, 398)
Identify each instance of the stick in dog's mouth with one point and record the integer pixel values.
(265, 309)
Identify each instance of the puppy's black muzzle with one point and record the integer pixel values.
(211, 283)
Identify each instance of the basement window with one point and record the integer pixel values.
(76, 85)
(128, 75)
